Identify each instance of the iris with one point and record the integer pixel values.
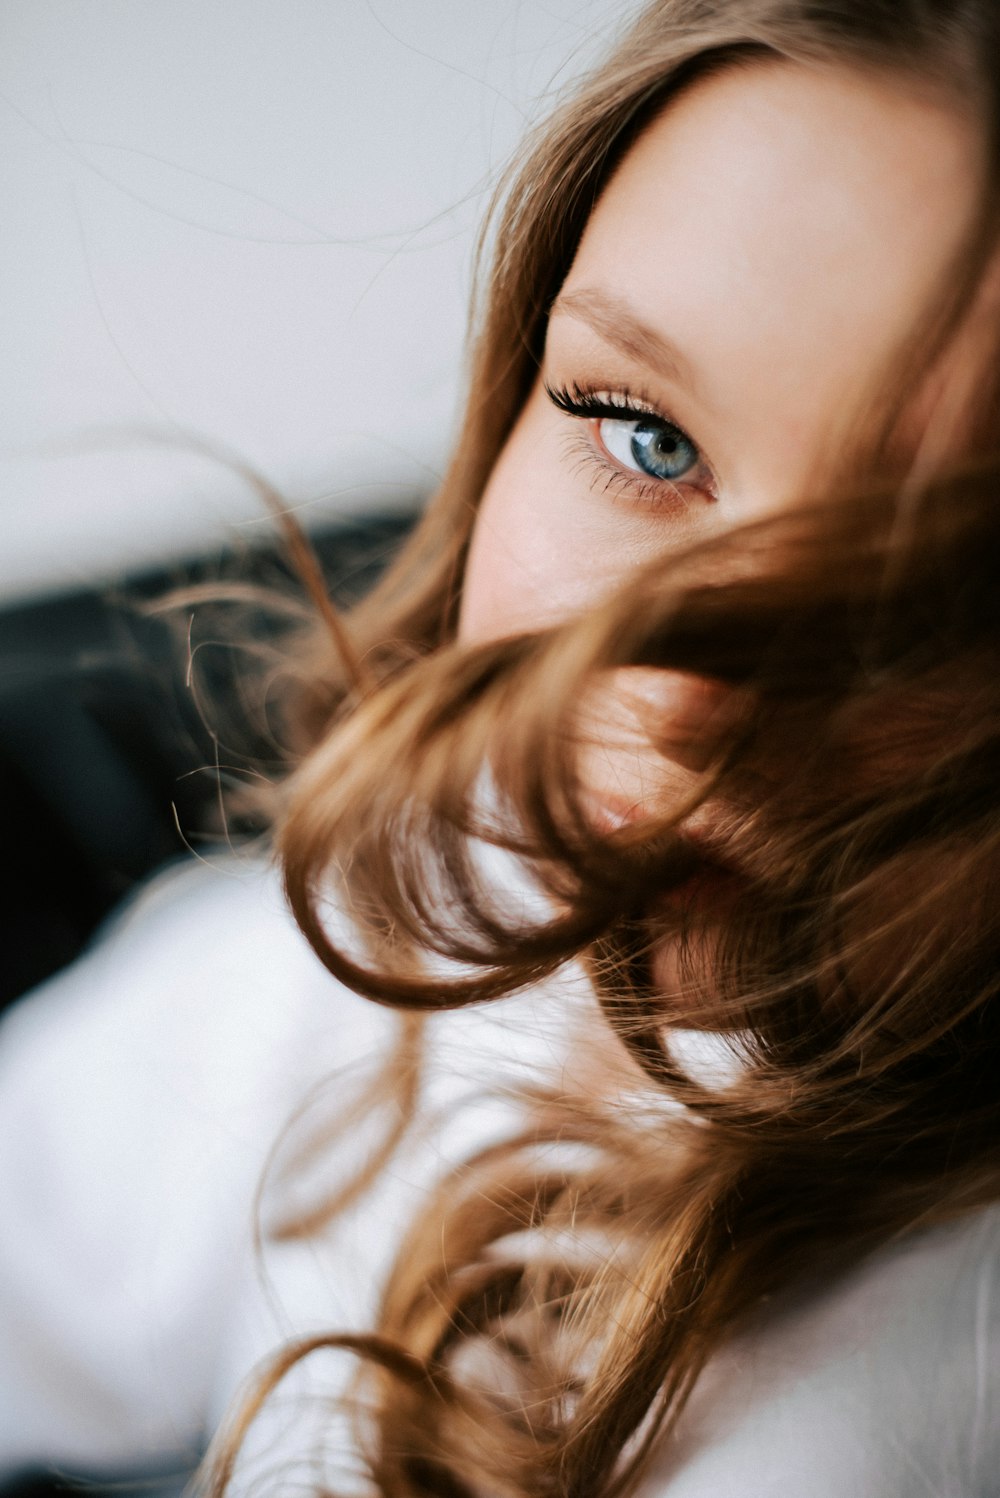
(654, 447)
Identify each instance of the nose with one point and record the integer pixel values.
(684, 716)
(646, 735)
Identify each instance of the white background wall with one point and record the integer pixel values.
(247, 221)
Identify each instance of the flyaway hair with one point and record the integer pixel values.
(855, 977)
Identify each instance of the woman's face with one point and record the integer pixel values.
(747, 274)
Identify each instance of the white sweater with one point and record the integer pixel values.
(141, 1094)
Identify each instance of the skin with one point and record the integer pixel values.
(748, 273)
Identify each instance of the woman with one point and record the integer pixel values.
(701, 635)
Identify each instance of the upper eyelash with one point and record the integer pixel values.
(618, 406)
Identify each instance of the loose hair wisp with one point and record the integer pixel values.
(553, 1307)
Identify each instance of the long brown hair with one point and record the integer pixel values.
(859, 984)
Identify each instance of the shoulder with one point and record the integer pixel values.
(173, 1053)
(885, 1379)
(141, 1093)
(205, 966)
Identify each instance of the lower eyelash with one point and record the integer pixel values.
(655, 493)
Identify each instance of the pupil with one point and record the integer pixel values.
(662, 451)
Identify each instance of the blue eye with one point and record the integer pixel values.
(624, 434)
(651, 446)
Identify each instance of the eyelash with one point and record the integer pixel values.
(594, 405)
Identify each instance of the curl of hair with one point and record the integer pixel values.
(858, 976)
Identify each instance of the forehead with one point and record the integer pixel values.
(783, 226)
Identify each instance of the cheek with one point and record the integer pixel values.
(506, 578)
(545, 546)
(523, 569)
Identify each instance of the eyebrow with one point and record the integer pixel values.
(611, 318)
